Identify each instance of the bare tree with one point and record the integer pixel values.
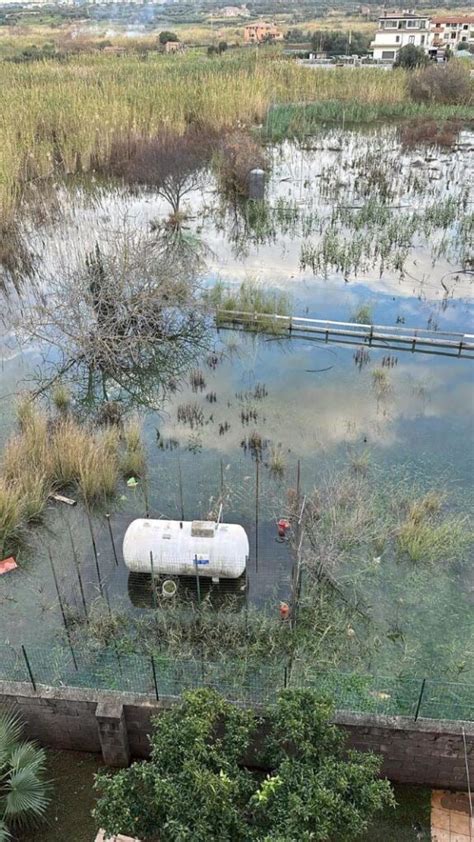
(172, 165)
(122, 324)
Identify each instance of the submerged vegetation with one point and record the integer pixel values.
(68, 118)
(52, 454)
(355, 534)
(253, 305)
(123, 319)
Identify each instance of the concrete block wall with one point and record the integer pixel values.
(428, 752)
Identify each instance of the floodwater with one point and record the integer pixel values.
(311, 402)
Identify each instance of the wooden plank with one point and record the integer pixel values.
(59, 498)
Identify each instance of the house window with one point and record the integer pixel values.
(422, 40)
(388, 53)
(397, 38)
(465, 26)
(411, 39)
(453, 36)
(464, 38)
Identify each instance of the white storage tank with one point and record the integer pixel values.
(182, 548)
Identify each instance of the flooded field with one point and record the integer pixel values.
(354, 227)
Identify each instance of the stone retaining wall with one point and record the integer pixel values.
(429, 752)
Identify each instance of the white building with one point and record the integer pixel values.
(396, 31)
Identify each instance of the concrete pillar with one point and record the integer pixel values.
(113, 733)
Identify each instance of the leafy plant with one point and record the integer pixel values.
(410, 57)
(313, 791)
(24, 793)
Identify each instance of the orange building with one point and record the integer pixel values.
(256, 33)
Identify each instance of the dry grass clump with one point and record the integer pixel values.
(423, 536)
(98, 473)
(133, 461)
(49, 455)
(360, 462)
(449, 83)
(277, 461)
(432, 132)
(61, 398)
(381, 383)
(11, 514)
(430, 542)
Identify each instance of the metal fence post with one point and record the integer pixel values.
(198, 584)
(153, 668)
(153, 591)
(420, 698)
(30, 673)
(107, 517)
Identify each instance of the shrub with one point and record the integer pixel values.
(166, 36)
(199, 746)
(410, 57)
(448, 84)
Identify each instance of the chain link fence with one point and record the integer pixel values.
(153, 676)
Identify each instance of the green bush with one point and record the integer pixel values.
(194, 787)
(410, 57)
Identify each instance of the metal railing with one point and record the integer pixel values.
(400, 336)
(156, 676)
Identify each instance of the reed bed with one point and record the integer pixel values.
(66, 117)
(51, 454)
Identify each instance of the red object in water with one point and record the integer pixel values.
(7, 564)
(283, 527)
(284, 610)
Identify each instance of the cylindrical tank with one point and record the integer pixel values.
(183, 548)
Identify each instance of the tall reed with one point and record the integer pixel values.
(68, 116)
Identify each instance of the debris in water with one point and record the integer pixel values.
(7, 565)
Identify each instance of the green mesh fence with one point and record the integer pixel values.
(110, 670)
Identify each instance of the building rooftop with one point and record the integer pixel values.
(404, 16)
(454, 19)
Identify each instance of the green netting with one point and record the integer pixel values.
(108, 669)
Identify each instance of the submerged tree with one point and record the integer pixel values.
(170, 164)
(122, 325)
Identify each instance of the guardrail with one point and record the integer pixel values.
(406, 338)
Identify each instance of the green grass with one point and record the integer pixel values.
(250, 299)
(302, 119)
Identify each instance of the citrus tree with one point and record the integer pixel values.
(196, 785)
